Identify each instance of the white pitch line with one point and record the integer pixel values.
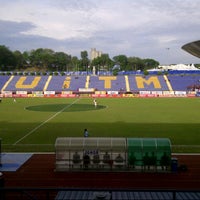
(37, 127)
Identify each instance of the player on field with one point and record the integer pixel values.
(95, 103)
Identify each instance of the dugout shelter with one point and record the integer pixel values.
(104, 153)
(91, 153)
(149, 152)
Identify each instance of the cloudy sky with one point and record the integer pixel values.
(143, 28)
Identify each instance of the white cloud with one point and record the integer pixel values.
(131, 27)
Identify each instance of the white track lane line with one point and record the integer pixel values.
(37, 127)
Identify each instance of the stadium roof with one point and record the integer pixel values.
(192, 48)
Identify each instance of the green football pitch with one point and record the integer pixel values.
(33, 124)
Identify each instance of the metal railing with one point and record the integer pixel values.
(52, 193)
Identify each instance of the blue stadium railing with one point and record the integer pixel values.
(74, 193)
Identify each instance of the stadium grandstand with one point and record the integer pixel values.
(100, 86)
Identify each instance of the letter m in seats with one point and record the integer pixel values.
(141, 82)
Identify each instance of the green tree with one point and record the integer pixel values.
(197, 66)
(132, 63)
(41, 58)
(121, 60)
(75, 63)
(135, 63)
(84, 60)
(46, 59)
(7, 59)
(19, 59)
(102, 63)
(150, 63)
(26, 58)
(61, 61)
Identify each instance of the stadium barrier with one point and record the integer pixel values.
(96, 193)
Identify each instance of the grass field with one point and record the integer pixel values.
(33, 124)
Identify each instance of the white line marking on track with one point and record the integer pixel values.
(40, 125)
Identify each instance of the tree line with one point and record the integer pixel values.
(43, 59)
